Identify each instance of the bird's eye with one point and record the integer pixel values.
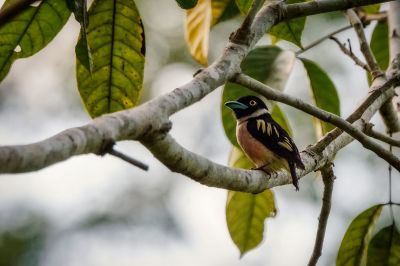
(252, 103)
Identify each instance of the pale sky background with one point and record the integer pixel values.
(102, 211)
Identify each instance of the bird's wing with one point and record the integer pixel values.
(264, 129)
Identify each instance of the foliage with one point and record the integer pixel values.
(245, 212)
(110, 58)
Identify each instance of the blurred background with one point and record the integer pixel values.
(97, 211)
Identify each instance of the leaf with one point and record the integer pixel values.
(245, 212)
(223, 10)
(268, 64)
(197, 30)
(116, 37)
(83, 53)
(280, 118)
(187, 4)
(30, 31)
(354, 246)
(384, 248)
(323, 92)
(244, 5)
(372, 8)
(82, 48)
(289, 30)
(380, 44)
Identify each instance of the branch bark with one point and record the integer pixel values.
(328, 178)
(368, 129)
(142, 122)
(387, 111)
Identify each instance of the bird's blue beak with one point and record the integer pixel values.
(236, 105)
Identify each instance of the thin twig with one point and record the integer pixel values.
(368, 129)
(315, 43)
(11, 10)
(350, 53)
(333, 119)
(328, 178)
(128, 159)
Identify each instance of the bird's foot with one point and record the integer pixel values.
(262, 168)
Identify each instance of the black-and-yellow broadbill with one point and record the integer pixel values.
(262, 139)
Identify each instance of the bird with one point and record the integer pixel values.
(262, 139)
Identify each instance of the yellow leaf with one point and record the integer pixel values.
(218, 8)
(197, 30)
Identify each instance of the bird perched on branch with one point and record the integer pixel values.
(262, 139)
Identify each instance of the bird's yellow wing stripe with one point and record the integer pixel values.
(261, 124)
(269, 129)
(276, 131)
(286, 145)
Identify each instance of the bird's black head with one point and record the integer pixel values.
(246, 105)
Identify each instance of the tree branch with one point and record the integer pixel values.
(368, 129)
(387, 111)
(328, 178)
(350, 53)
(141, 122)
(364, 46)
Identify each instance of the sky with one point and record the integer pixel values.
(101, 211)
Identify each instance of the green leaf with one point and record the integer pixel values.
(116, 38)
(82, 48)
(83, 53)
(280, 118)
(258, 64)
(244, 5)
(290, 30)
(223, 10)
(187, 4)
(323, 92)
(372, 8)
(384, 248)
(245, 212)
(354, 246)
(380, 44)
(30, 31)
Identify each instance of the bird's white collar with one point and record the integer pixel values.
(255, 114)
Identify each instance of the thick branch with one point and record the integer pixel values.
(335, 120)
(328, 178)
(387, 110)
(153, 116)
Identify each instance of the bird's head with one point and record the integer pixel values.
(246, 106)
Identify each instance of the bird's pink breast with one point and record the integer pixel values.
(255, 150)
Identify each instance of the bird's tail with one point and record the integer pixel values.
(295, 179)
